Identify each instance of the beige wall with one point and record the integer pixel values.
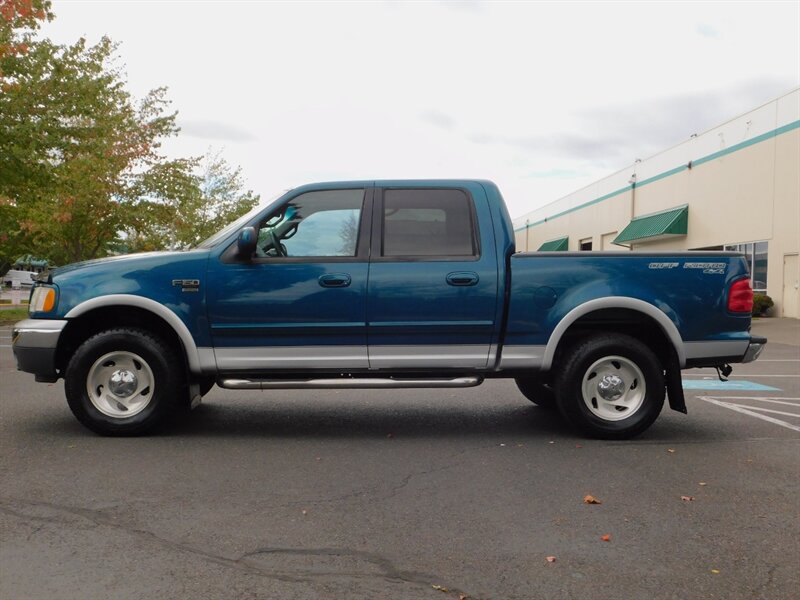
(786, 220)
(730, 199)
(591, 221)
(752, 194)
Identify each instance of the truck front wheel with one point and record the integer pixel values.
(122, 382)
(611, 386)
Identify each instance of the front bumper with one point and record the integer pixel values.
(754, 349)
(34, 343)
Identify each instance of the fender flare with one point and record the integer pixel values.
(185, 336)
(666, 324)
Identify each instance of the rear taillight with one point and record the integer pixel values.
(740, 297)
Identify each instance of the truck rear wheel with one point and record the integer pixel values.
(611, 386)
(122, 382)
(537, 392)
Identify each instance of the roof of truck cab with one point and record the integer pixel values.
(391, 183)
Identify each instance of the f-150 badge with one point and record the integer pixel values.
(187, 285)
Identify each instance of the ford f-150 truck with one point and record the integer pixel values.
(385, 284)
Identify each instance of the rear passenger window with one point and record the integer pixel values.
(433, 223)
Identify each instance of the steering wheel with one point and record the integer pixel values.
(280, 249)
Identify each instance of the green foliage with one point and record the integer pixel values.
(181, 203)
(761, 303)
(81, 174)
(12, 315)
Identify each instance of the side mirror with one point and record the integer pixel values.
(246, 244)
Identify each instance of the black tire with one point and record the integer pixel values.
(150, 366)
(541, 394)
(619, 362)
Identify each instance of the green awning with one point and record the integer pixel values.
(560, 244)
(657, 226)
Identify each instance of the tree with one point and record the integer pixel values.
(74, 145)
(81, 173)
(19, 19)
(181, 203)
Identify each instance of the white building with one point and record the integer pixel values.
(735, 187)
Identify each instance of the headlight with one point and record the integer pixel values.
(43, 299)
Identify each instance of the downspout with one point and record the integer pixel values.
(527, 233)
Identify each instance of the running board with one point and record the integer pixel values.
(346, 383)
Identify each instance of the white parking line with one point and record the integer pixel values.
(778, 360)
(767, 410)
(751, 375)
(751, 399)
(752, 413)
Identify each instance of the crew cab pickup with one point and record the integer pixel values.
(385, 284)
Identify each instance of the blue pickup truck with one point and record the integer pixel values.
(385, 284)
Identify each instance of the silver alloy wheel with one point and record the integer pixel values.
(120, 384)
(613, 388)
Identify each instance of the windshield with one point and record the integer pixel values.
(238, 223)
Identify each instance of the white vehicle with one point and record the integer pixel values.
(15, 278)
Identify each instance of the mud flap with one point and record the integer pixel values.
(677, 401)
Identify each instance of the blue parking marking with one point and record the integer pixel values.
(716, 384)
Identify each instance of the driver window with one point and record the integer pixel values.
(324, 223)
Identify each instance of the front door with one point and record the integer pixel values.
(432, 280)
(300, 302)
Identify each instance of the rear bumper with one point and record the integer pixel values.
(754, 349)
(34, 343)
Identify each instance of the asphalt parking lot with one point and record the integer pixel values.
(407, 494)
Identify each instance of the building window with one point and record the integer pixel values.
(756, 256)
(586, 244)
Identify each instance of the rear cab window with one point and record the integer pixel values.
(428, 223)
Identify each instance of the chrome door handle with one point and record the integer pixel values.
(462, 278)
(335, 280)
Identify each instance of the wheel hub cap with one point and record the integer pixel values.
(611, 387)
(123, 383)
(120, 384)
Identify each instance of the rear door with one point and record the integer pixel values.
(432, 288)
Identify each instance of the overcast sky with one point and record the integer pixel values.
(542, 98)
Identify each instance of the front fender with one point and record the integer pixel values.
(198, 361)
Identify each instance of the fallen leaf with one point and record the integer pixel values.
(502, 445)
(589, 499)
(551, 442)
(440, 588)
(687, 498)
(550, 559)
(462, 597)
(671, 450)
(702, 483)
(606, 537)
(304, 511)
(715, 571)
